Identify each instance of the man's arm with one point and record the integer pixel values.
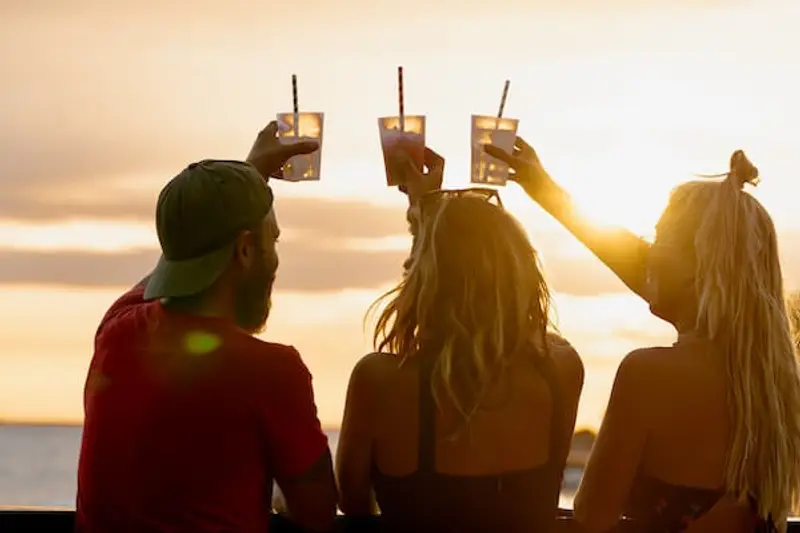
(310, 497)
(299, 455)
(354, 452)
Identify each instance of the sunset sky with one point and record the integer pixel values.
(102, 102)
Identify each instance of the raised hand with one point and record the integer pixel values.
(269, 155)
(413, 182)
(525, 166)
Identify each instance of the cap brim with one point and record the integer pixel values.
(174, 279)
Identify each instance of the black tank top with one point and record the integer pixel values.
(517, 501)
(659, 507)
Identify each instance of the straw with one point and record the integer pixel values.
(503, 99)
(400, 98)
(296, 108)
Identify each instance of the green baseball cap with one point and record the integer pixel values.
(198, 216)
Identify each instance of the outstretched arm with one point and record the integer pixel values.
(621, 250)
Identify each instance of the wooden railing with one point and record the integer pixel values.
(46, 520)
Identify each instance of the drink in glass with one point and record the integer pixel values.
(305, 167)
(501, 132)
(410, 139)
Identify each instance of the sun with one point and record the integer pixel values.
(605, 208)
(600, 207)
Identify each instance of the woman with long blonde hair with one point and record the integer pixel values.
(707, 431)
(462, 418)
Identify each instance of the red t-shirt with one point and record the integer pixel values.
(187, 422)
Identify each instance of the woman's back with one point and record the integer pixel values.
(504, 469)
(684, 402)
(687, 407)
(683, 464)
(466, 428)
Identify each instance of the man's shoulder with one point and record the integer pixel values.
(270, 352)
(127, 309)
(271, 359)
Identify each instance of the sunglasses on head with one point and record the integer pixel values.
(482, 193)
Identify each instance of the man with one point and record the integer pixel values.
(188, 417)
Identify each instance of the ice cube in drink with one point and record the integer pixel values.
(411, 140)
(500, 132)
(305, 167)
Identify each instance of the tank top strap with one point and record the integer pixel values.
(426, 445)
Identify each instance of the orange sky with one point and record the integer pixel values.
(103, 102)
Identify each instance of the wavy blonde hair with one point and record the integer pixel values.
(793, 301)
(741, 304)
(473, 294)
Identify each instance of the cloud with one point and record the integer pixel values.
(353, 219)
(303, 268)
(314, 255)
(314, 262)
(580, 276)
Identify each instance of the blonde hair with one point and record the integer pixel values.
(793, 302)
(741, 304)
(473, 293)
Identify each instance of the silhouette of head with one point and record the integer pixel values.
(473, 293)
(710, 234)
(714, 269)
(217, 229)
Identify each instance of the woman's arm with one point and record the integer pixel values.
(354, 451)
(617, 454)
(622, 251)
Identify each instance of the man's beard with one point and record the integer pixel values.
(254, 299)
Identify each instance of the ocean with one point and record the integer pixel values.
(38, 465)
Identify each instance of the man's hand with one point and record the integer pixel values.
(526, 168)
(269, 155)
(413, 182)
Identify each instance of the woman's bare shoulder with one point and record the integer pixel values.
(650, 361)
(644, 372)
(375, 366)
(568, 362)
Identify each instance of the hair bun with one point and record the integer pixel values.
(742, 170)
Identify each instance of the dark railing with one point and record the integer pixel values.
(46, 520)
